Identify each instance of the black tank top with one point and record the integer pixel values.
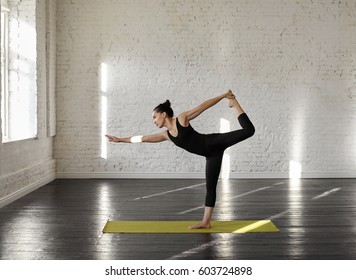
(190, 140)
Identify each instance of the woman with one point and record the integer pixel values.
(211, 146)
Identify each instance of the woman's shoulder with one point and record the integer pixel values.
(183, 119)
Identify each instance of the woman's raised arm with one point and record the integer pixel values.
(195, 112)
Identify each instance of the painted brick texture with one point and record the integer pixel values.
(290, 63)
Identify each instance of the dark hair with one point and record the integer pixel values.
(165, 108)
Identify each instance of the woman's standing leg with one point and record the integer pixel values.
(212, 171)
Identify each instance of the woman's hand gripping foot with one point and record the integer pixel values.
(232, 98)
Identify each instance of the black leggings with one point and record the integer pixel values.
(219, 143)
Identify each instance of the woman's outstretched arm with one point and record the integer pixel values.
(152, 138)
(195, 112)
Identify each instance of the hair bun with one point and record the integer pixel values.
(167, 103)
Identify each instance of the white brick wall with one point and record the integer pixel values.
(28, 164)
(291, 63)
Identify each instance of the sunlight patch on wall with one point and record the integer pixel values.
(295, 170)
(104, 109)
(295, 173)
(297, 143)
(104, 77)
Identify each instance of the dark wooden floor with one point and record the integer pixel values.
(64, 219)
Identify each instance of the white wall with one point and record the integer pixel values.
(29, 164)
(291, 63)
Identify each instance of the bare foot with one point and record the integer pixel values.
(201, 225)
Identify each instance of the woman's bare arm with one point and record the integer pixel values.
(151, 138)
(185, 117)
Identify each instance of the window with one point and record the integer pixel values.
(18, 71)
(4, 71)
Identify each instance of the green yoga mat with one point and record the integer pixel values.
(243, 226)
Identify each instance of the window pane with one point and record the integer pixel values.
(19, 95)
(4, 51)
